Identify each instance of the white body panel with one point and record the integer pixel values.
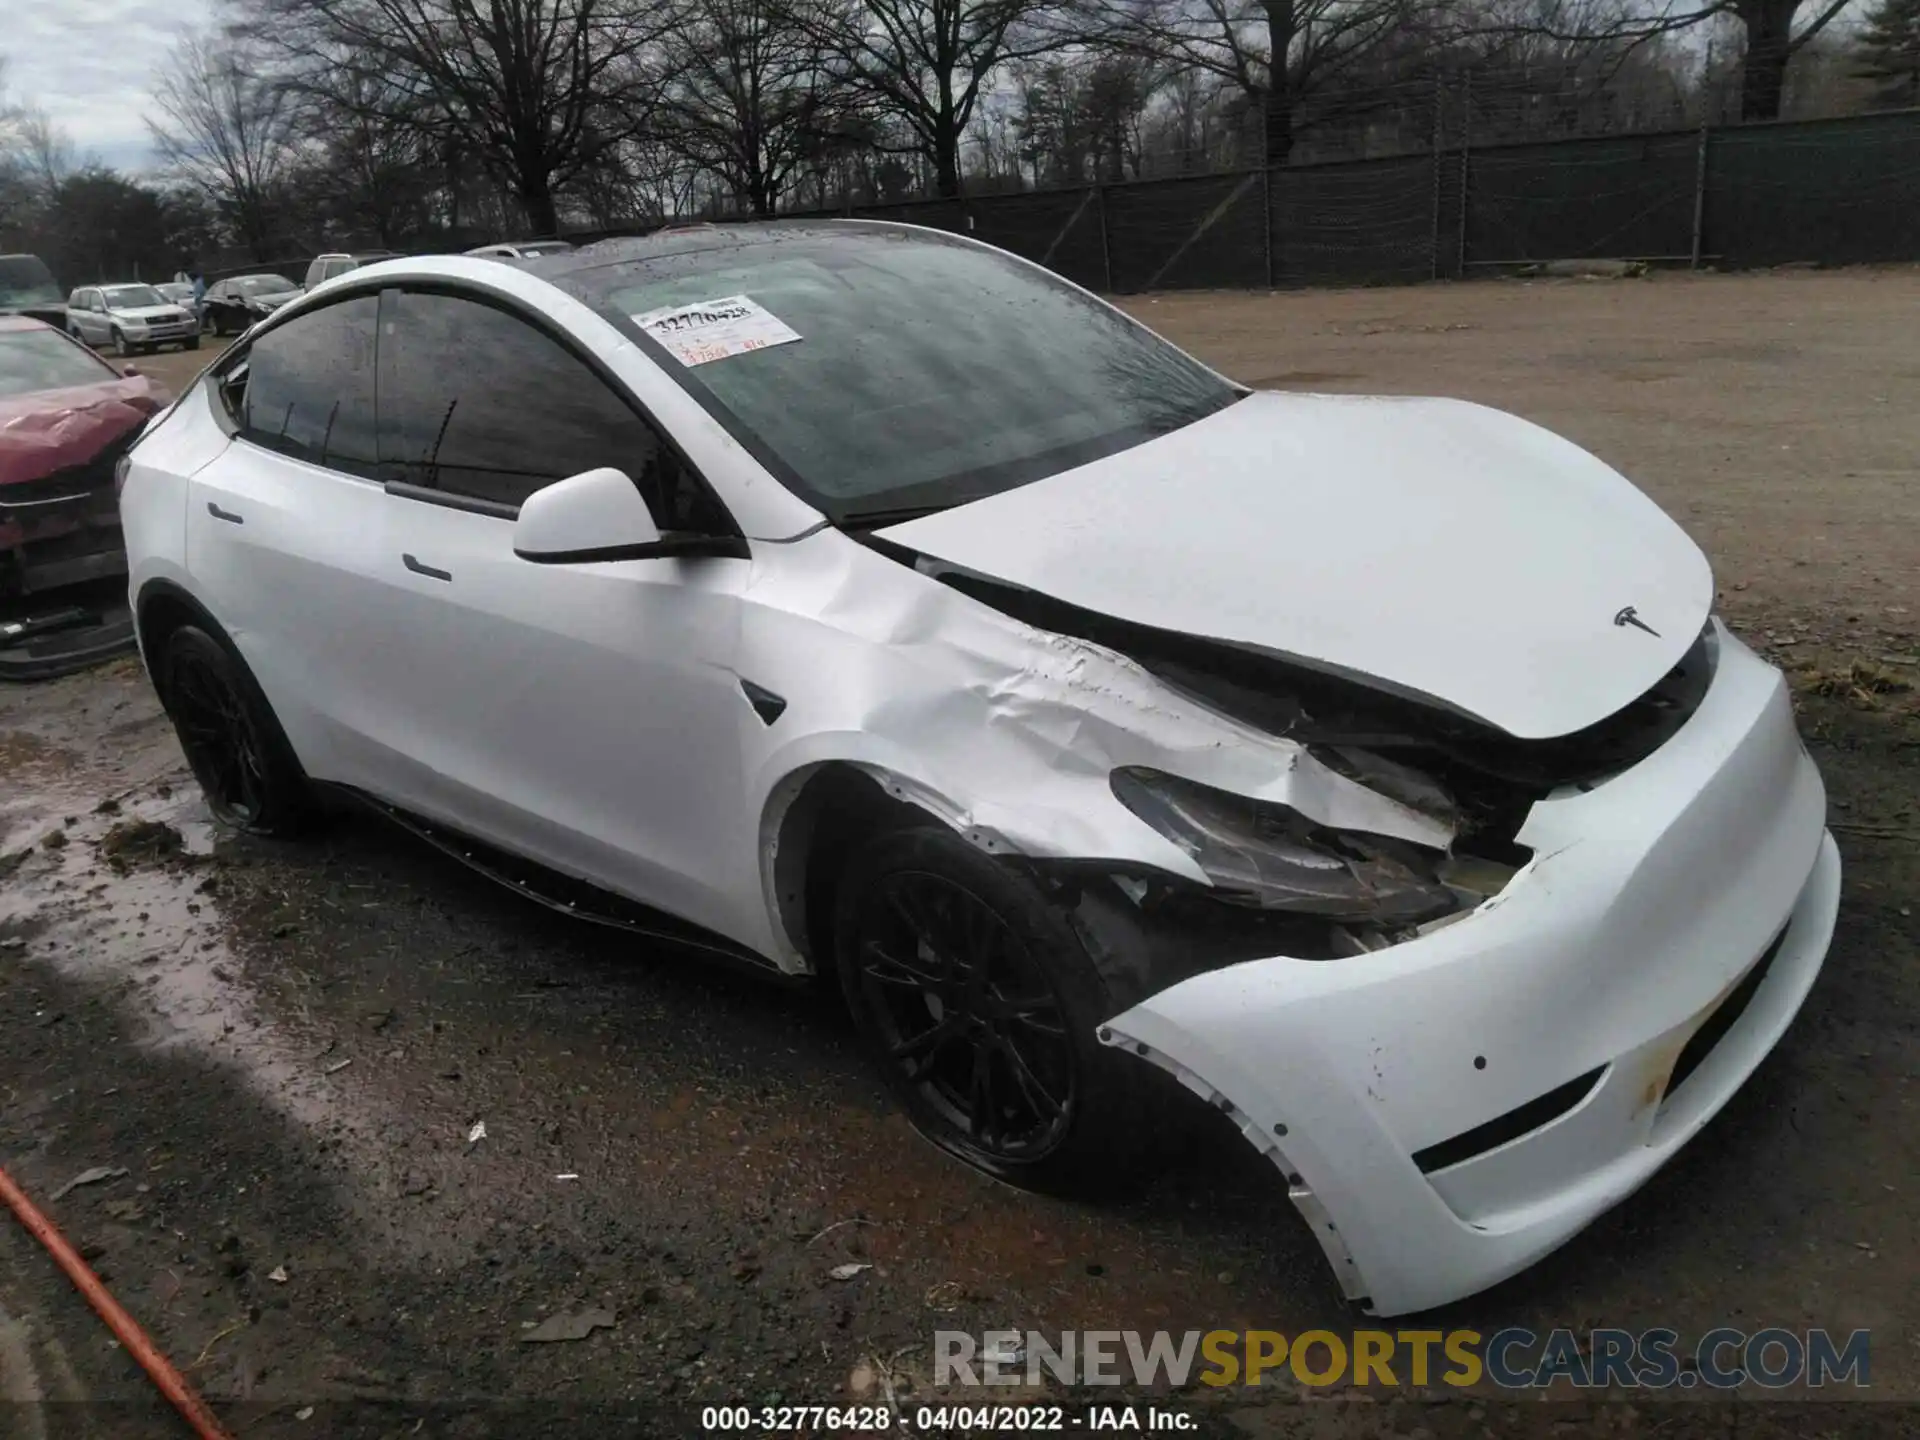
(1447, 549)
(1650, 898)
(587, 716)
(593, 717)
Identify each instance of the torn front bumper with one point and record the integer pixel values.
(1451, 1109)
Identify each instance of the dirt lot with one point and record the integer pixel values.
(287, 1048)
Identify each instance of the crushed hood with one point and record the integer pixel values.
(1438, 548)
(48, 431)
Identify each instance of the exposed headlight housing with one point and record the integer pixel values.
(1270, 856)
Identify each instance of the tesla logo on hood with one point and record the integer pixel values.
(1627, 615)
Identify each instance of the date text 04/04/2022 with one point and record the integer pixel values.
(938, 1419)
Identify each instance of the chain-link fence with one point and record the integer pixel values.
(1831, 191)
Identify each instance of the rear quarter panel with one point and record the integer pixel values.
(153, 504)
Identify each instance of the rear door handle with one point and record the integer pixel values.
(419, 569)
(226, 515)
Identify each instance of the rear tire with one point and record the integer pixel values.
(236, 748)
(981, 1007)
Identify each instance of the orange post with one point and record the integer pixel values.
(125, 1328)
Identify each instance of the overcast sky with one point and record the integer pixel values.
(89, 64)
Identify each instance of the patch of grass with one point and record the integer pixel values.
(1861, 683)
(134, 840)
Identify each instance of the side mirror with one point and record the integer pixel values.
(598, 516)
(130, 370)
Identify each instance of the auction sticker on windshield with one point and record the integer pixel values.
(714, 329)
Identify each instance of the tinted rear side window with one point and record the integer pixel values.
(310, 387)
(476, 401)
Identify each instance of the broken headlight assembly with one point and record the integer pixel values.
(1269, 856)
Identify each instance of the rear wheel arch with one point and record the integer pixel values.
(164, 607)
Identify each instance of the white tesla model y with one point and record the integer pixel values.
(859, 600)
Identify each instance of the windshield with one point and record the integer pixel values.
(25, 280)
(132, 297)
(545, 247)
(263, 284)
(33, 360)
(882, 373)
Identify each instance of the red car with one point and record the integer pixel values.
(66, 417)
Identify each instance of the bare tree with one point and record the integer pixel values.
(749, 99)
(1083, 118)
(226, 131)
(46, 154)
(926, 63)
(1772, 42)
(1775, 31)
(369, 156)
(1280, 55)
(534, 90)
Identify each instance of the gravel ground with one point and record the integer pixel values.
(287, 1047)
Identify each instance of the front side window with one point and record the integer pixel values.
(33, 360)
(477, 402)
(25, 280)
(879, 371)
(310, 387)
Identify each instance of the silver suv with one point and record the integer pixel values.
(130, 318)
(325, 267)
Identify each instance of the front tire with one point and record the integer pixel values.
(120, 345)
(233, 744)
(981, 1007)
(193, 344)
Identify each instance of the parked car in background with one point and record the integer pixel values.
(521, 249)
(27, 287)
(339, 262)
(233, 304)
(130, 318)
(66, 418)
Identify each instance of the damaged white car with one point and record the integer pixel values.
(857, 600)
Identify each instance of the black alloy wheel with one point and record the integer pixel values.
(232, 742)
(219, 739)
(967, 1017)
(981, 1006)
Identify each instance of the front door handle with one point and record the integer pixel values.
(226, 515)
(419, 569)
